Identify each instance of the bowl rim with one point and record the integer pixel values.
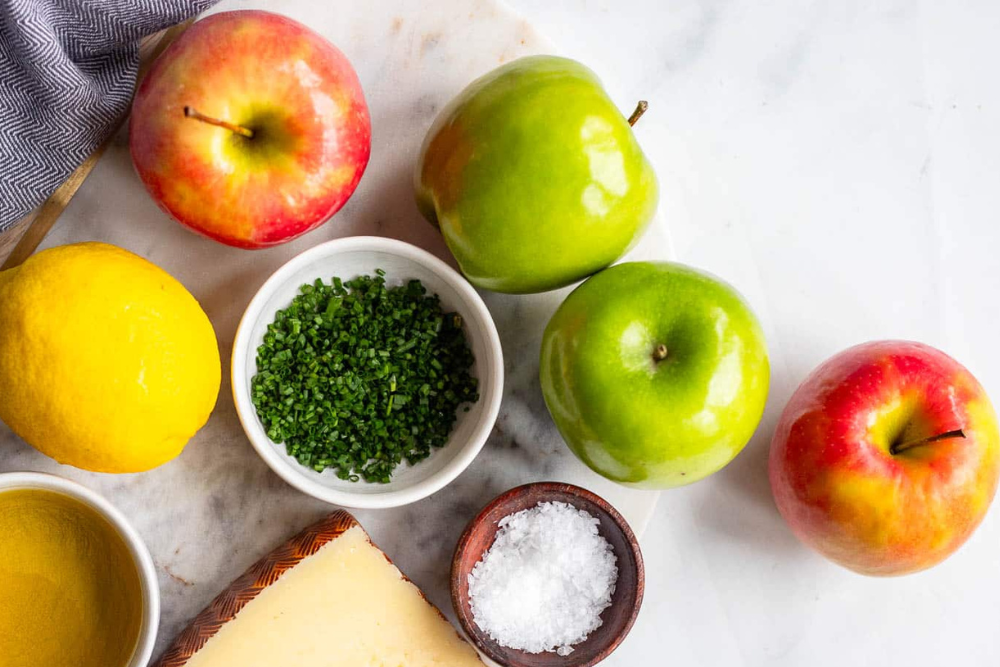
(490, 385)
(462, 546)
(149, 585)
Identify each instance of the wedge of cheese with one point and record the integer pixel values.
(346, 605)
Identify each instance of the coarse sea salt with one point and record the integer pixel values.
(544, 582)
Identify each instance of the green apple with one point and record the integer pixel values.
(534, 177)
(656, 374)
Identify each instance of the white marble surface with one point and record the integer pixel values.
(836, 160)
(212, 512)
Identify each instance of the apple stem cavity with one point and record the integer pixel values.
(232, 127)
(659, 352)
(640, 109)
(899, 448)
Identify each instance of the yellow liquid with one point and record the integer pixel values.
(70, 594)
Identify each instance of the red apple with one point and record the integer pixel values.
(886, 458)
(250, 129)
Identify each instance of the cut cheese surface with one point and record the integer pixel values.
(345, 605)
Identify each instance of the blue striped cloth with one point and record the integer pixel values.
(67, 71)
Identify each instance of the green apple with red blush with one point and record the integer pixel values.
(656, 374)
(886, 458)
(250, 129)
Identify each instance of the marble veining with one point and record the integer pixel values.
(835, 161)
(217, 508)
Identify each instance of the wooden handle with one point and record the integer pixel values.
(34, 227)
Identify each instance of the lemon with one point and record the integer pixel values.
(106, 362)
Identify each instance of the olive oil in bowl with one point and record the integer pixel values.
(70, 591)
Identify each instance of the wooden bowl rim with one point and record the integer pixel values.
(465, 619)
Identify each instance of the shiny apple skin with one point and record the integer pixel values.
(841, 490)
(272, 75)
(534, 177)
(647, 424)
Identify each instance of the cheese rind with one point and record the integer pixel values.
(344, 606)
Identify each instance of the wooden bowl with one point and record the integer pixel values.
(617, 619)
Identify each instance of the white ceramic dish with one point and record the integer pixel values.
(137, 548)
(347, 258)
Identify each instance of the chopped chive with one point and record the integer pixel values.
(342, 349)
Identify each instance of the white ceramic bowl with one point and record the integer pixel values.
(348, 258)
(137, 549)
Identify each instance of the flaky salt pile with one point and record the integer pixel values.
(545, 581)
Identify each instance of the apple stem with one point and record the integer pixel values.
(660, 352)
(902, 447)
(639, 110)
(238, 129)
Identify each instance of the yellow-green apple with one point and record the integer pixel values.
(250, 129)
(886, 457)
(656, 374)
(534, 177)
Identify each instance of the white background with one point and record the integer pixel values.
(838, 161)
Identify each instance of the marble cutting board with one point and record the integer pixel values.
(212, 512)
